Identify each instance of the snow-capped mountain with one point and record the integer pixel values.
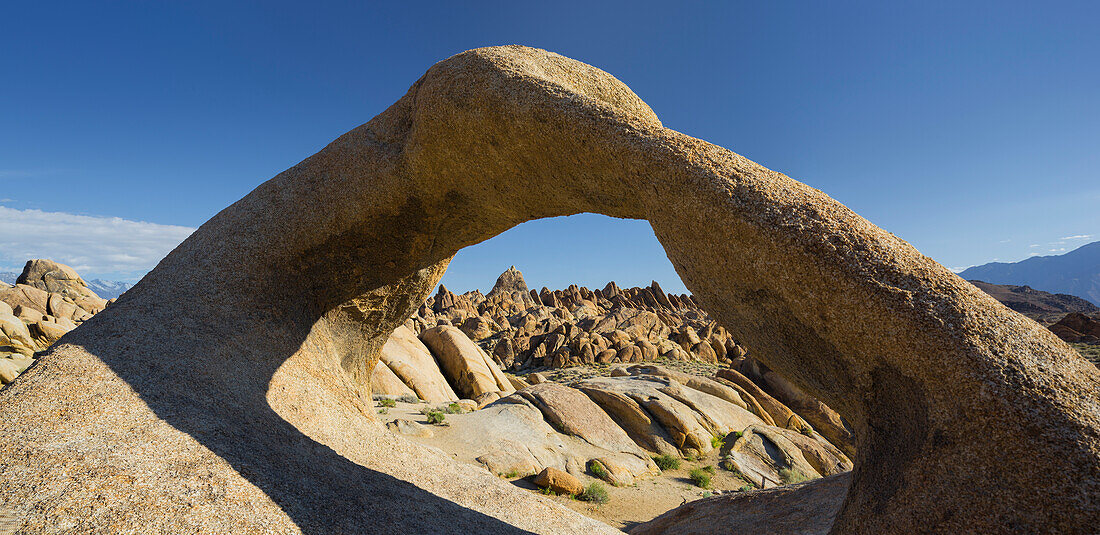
(108, 289)
(9, 276)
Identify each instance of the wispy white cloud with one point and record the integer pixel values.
(1076, 237)
(1005, 241)
(7, 200)
(107, 247)
(1057, 250)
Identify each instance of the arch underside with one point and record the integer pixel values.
(242, 358)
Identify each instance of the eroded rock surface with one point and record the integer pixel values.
(293, 290)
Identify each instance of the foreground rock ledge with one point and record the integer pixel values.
(223, 392)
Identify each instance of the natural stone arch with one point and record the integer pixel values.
(225, 390)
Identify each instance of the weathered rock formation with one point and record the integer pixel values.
(413, 364)
(524, 329)
(48, 300)
(229, 386)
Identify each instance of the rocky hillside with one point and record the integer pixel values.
(524, 329)
(1078, 328)
(474, 337)
(1044, 307)
(1076, 272)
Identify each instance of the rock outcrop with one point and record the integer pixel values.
(48, 300)
(228, 385)
(63, 281)
(557, 481)
(524, 329)
(471, 371)
(412, 362)
(1077, 327)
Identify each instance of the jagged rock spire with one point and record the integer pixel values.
(509, 281)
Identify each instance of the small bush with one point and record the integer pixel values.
(597, 469)
(667, 462)
(792, 475)
(746, 488)
(453, 408)
(806, 430)
(547, 491)
(408, 398)
(511, 475)
(716, 441)
(387, 402)
(709, 469)
(700, 477)
(383, 410)
(595, 492)
(436, 417)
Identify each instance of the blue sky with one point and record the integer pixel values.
(969, 129)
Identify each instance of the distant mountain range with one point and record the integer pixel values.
(102, 288)
(1076, 273)
(108, 289)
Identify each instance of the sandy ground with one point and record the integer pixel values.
(627, 506)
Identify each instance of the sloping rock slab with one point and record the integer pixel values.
(805, 509)
(411, 361)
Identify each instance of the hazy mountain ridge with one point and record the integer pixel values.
(1075, 273)
(103, 288)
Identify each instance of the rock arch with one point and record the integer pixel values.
(224, 391)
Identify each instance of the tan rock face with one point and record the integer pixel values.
(409, 359)
(384, 382)
(558, 481)
(57, 278)
(573, 413)
(293, 290)
(467, 366)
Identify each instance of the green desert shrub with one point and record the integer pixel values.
(595, 492)
(597, 469)
(387, 402)
(408, 398)
(383, 410)
(716, 441)
(701, 477)
(792, 475)
(746, 488)
(436, 417)
(453, 408)
(667, 462)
